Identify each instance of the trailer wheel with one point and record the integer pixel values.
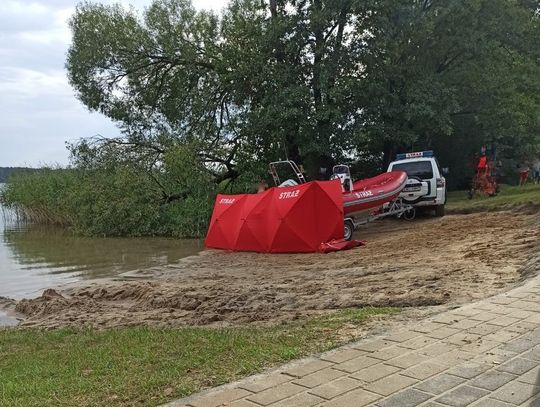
(348, 229)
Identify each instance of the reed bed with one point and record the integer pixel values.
(114, 202)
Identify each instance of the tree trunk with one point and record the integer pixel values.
(293, 150)
(389, 151)
(322, 129)
(273, 8)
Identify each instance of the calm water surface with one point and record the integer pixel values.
(35, 257)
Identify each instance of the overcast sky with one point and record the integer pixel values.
(38, 111)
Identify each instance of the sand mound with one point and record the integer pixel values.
(430, 261)
(7, 303)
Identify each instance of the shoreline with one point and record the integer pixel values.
(478, 255)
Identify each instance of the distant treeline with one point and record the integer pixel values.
(5, 172)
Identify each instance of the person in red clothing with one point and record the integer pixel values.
(523, 170)
(481, 168)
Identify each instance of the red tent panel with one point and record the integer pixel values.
(280, 220)
(340, 244)
(225, 221)
(298, 227)
(327, 202)
(253, 235)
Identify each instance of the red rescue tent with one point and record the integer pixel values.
(294, 219)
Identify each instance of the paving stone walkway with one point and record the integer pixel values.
(485, 354)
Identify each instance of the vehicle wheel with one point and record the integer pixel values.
(410, 214)
(439, 211)
(348, 229)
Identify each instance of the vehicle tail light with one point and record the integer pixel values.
(440, 182)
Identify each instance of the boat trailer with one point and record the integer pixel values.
(397, 208)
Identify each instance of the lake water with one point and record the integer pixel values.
(35, 257)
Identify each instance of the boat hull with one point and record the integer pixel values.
(373, 192)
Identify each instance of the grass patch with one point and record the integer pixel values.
(509, 196)
(143, 366)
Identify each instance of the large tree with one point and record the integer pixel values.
(263, 80)
(310, 80)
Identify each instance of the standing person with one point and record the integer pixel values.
(523, 173)
(481, 168)
(536, 168)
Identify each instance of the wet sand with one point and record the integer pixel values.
(8, 316)
(430, 261)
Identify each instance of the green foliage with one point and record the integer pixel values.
(118, 200)
(205, 101)
(313, 80)
(149, 366)
(452, 76)
(40, 191)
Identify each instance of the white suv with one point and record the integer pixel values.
(426, 185)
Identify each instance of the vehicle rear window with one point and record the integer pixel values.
(420, 169)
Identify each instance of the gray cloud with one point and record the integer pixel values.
(38, 110)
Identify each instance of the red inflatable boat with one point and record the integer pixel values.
(359, 196)
(368, 194)
(373, 192)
